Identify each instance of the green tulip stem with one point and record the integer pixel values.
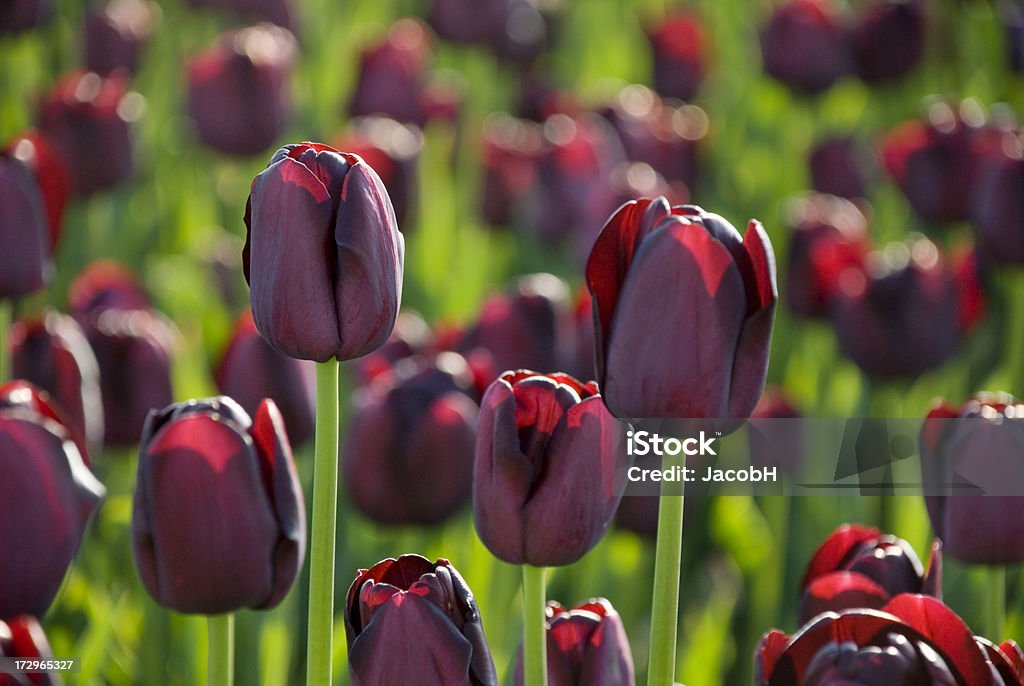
(996, 603)
(535, 653)
(322, 535)
(5, 339)
(220, 663)
(668, 556)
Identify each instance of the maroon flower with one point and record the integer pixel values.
(888, 39)
(22, 637)
(18, 16)
(678, 43)
(218, 519)
(24, 232)
(774, 433)
(105, 284)
(840, 166)
(428, 609)
(997, 205)
(804, 46)
(512, 149)
(115, 32)
(513, 29)
(37, 152)
(391, 74)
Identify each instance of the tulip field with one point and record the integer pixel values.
(338, 339)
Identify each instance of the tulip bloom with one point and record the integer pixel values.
(239, 90)
(23, 638)
(392, 73)
(981, 442)
(587, 646)
(47, 496)
(678, 45)
(997, 209)
(323, 255)
(804, 46)
(102, 285)
(114, 33)
(888, 39)
(24, 237)
(777, 439)
(512, 148)
(38, 153)
(839, 167)
(428, 608)
(513, 29)
(542, 437)
(655, 273)
(860, 567)
(218, 519)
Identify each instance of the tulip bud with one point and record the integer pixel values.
(114, 33)
(678, 44)
(542, 437)
(53, 353)
(654, 271)
(24, 242)
(37, 152)
(238, 92)
(997, 208)
(839, 166)
(89, 119)
(18, 16)
(410, 597)
(860, 567)
(587, 646)
(323, 255)
(218, 519)
(804, 46)
(408, 453)
(250, 370)
(102, 285)
(513, 29)
(888, 39)
(391, 74)
(23, 638)
(47, 496)
(979, 443)
(512, 148)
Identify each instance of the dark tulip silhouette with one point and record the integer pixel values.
(587, 646)
(839, 166)
(408, 451)
(860, 567)
(88, 118)
(37, 152)
(23, 638)
(114, 33)
(804, 46)
(218, 519)
(980, 447)
(18, 16)
(514, 29)
(105, 284)
(888, 39)
(239, 90)
(512, 149)
(997, 204)
(540, 438)
(654, 271)
(901, 315)
(52, 352)
(914, 640)
(24, 231)
(47, 496)
(250, 370)
(134, 350)
(829, 235)
(392, 73)
(434, 612)
(323, 255)
(678, 46)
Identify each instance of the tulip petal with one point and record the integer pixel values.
(840, 591)
(769, 649)
(835, 551)
(608, 661)
(1003, 661)
(25, 266)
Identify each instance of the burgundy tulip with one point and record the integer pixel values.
(18, 16)
(218, 519)
(804, 46)
(587, 646)
(980, 443)
(408, 452)
(250, 370)
(24, 232)
(657, 271)
(391, 74)
(513, 29)
(888, 39)
(512, 149)
(428, 609)
(47, 496)
(542, 438)
(839, 166)
(114, 33)
(89, 120)
(997, 206)
(323, 255)
(678, 45)
(23, 638)
(52, 352)
(829, 236)
(239, 90)
(105, 284)
(860, 567)
(37, 152)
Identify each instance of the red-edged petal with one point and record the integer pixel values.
(768, 650)
(838, 591)
(833, 553)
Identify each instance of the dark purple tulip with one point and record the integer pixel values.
(888, 39)
(53, 353)
(239, 90)
(514, 29)
(23, 638)
(18, 16)
(391, 74)
(393, 151)
(980, 443)
(408, 452)
(114, 34)
(542, 437)
(34, 149)
(47, 496)
(250, 370)
(512, 149)
(428, 609)
(587, 646)
(521, 329)
(105, 284)
(218, 519)
(900, 315)
(774, 434)
(24, 232)
(134, 350)
(1012, 15)
(653, 272)
(839, 167)
(860, 567)
(997, 206)
(804, 46)
(323, 255)
(678, 45)
(89, 118)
